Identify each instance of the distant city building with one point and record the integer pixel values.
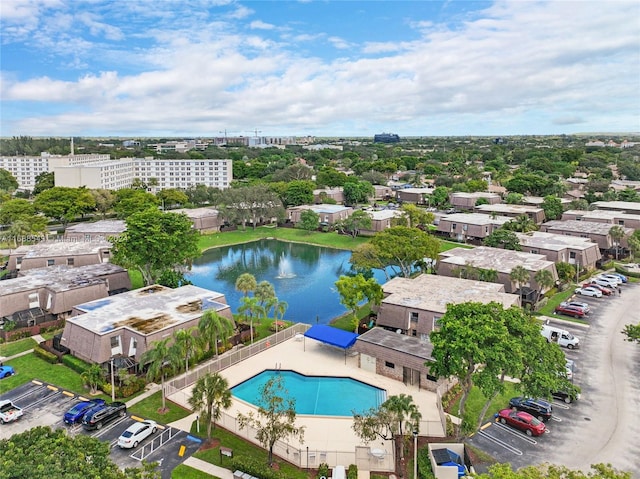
(386, 138)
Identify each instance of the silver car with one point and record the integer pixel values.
(137, 433)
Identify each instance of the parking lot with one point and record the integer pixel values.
(44, 405)
(603, 425)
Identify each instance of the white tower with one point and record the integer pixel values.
(71, 147)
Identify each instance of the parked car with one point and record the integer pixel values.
(77, 412)
(136, 433)
(589, 291)
(569, 311)
(9, 412)
(523, 421)
(103, 414)
(570, 366)
(577, 304)
(6, 371)
(567, 397)
(604, 282)
(603, 289)
(622, 277)
(611, 277)
(539, 408)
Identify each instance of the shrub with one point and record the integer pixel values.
(323, 470)
(424, 464)
(254, 467)
(46, 355)
(76, 364)
(352, 472)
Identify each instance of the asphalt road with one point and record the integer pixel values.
(608, 428)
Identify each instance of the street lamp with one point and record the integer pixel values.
(113, 383)
(415, 454)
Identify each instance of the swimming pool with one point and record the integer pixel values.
(316, 395)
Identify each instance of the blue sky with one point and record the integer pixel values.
(192, 68)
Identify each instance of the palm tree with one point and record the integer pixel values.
(544, 279)
(93, 377)
(279, 308)
(521, 223)
(520, 275)
(617, 233)
(161, 361)
(213, 326)
(264, 292)
(246, 283)
(210, 396)
(185, 345)
(404, 416)
(250, 307)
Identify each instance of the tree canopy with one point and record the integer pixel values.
(64, 204)
(155, 242)
(45, 453)
(503, 238)
(548, 471)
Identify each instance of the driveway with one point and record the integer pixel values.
(608, 426)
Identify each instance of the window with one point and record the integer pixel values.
(453, 226)
(414, 316)
(572, 255)
(51, 262)
(70, 261)
(436, 322)
(534, 251)
(389, 365)
(432, 378)
(621, 222)
(115, 341)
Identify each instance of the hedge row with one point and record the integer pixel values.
(255, 467)
(46, 355)
(77, 364)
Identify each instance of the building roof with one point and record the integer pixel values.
(102, 226)
(59, 278)
(418, 191)
(147, 310)
(194, 213)
(586, 227)
(61, 248)
(502, 260)
(326, 208)
(603, 214)
(538, 200)
(628, 206)
(379, 215)
(475, 194)
(480, 219)
(432, 293)
(397, 342)
(554, 242)
(506, 208)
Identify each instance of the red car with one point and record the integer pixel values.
(606, 291)
(523, 421)
(569, 311)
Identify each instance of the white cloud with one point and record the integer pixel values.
(517, 65)
(260, 25)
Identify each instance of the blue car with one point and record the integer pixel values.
(622, 277)
(77, 412)
(6, 371)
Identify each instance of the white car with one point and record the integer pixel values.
(611, 277)
(604, 282)
(137, 433)
(588, 291)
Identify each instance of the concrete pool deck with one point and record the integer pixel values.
(322, 433)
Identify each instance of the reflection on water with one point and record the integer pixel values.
(302, 275)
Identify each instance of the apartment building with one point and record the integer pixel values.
(561, 248)
(611, 217)
(470, 226)
(54, 253)
(533, 212)
(467, 201)
(596, 232)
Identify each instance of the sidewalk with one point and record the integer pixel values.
(206, 467)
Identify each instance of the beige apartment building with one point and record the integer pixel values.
(467, 201)
(55, 253)
(611, 217)
(329, 214)
(533, 212)
(596, 232)
(127, 324)
(470, 226)
(95, 231)
(558, 248)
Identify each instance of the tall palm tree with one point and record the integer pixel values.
(520, 275)
(246, 283)
(264, 292)
(185, 345)
(617, 233)
(250, 307)
(161, 362)
(213, 326)
(544, 279)
(210, 396)
(521, 223)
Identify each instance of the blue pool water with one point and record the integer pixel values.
(316, 395)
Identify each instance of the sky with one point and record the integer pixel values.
(199, 68)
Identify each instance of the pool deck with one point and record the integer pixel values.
(307, 356)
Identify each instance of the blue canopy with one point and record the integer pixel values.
(333, 336)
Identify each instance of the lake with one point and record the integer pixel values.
(302, 275)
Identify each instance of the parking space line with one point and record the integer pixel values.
(39, 383)
(68, 393)
(35, 403)
(53, 388)
(137, 418)
(561, 405)
(497, 441)
(556, 419)
(516, 433)
(101, 431)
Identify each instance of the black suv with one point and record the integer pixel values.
(538, 408)
(100, 415)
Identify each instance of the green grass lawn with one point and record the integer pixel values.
(476, 401)
(555, 300)
(30, 366)
(15, 347)
(186, 472)
(332, 239)
(241, 448)
(148, 409)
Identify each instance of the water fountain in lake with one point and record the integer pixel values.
(285, 271)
